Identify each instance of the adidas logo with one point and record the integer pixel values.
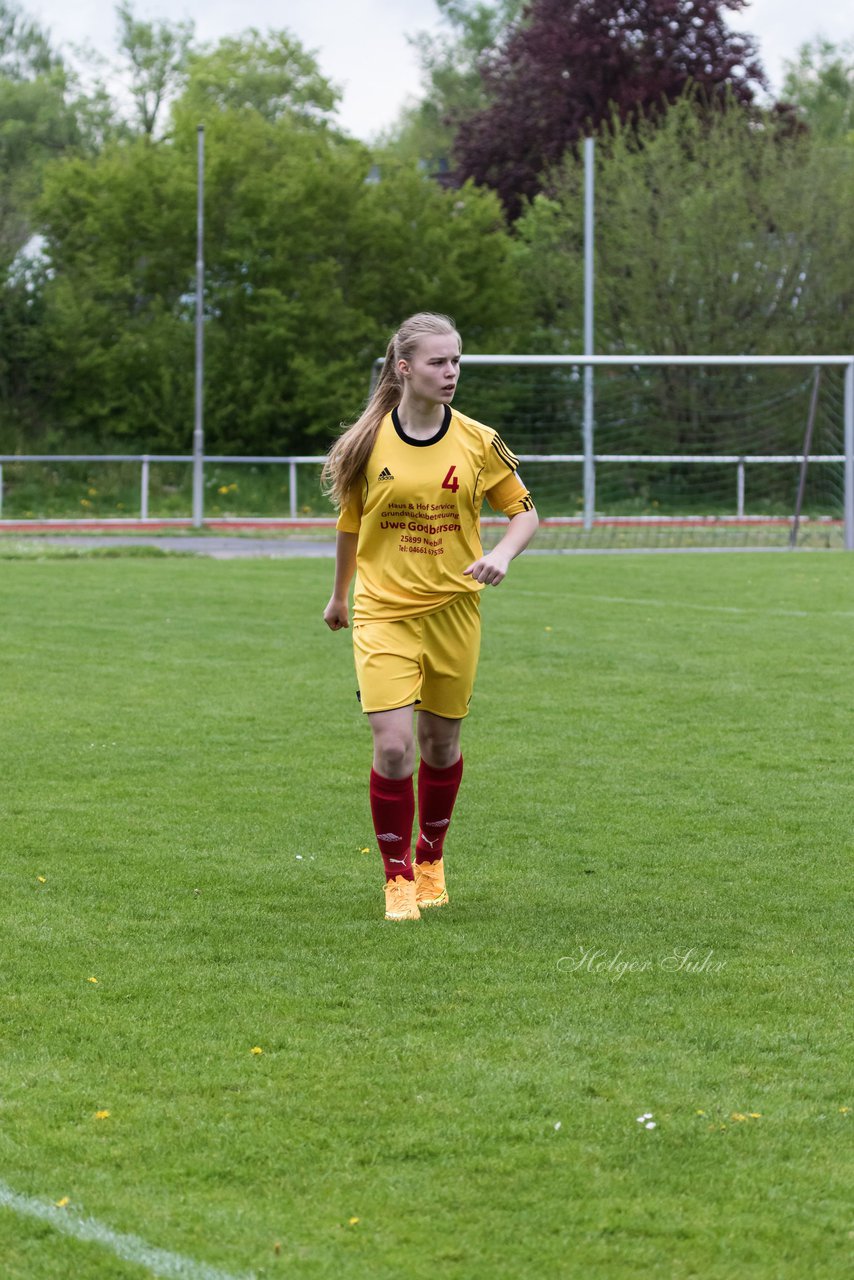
(385, 474)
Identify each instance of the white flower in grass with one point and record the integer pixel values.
(646, 1120)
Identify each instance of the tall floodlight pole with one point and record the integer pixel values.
(198, 428)
(587, 429)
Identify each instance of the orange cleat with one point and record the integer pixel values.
(430, 888)
(400, 901)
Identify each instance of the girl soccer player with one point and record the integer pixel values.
(409, 478)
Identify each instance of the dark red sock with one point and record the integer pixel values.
(393, 810)
(437, 791)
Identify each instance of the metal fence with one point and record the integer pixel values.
(145, 461)
(588, 459)
(293, 462)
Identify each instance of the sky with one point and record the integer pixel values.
(362, 46)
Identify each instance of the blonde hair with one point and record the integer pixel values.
(348, 456)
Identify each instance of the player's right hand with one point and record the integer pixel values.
(336, 614)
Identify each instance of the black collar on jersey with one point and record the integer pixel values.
(443, 430)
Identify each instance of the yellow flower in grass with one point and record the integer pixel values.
(60, 1204)
(42, 879)
(844, 1111)
(351, 1222)
(102, 1115)
(365, 850)
(256, 1050)
(736, 1115)
(93, 980)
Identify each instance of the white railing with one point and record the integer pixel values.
(588, 460)
(294, 461)
(740, 461)
(592, 362)
(145, 460)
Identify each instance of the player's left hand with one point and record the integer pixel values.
(490, 569)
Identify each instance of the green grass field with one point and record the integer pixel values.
(650, 871)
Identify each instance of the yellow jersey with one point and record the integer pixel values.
(417, 514)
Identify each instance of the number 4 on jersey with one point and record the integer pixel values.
(451, 482)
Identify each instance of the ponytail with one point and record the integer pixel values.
(348, 456)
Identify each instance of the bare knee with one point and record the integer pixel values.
(394, 756)
(394, 742)
(393, 750)
(439, 741)
(441, 755)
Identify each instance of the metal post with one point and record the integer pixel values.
(143, 488)
(198, 428)
(292, 488)
(740, 504)
(849, 457)
(587, 429)
(805, 460)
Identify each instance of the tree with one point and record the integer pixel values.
(452, 83)
(820, 83)
(271, 74)
(714, 233)
(39, 121)
(35, 123)
(570, 64)
(25, 50)
(717, 232)
(155, 57)
(308, 268)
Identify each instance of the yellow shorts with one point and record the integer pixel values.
(430, 660)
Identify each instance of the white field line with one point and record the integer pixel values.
(169, 1266)
(650, 602)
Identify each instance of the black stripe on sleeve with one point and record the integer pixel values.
(528, 503)
(509, 459)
